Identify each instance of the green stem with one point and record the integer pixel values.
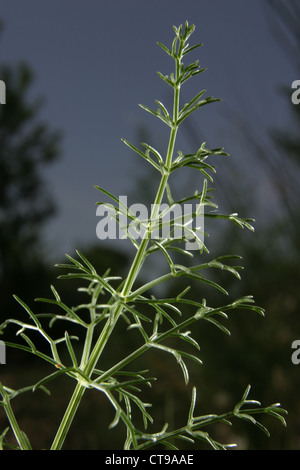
(87, 346)
(68, 417)
(19, 435)
(132, 275)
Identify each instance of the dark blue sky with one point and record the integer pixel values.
(96, 60)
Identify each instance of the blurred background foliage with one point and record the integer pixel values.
(258, 351)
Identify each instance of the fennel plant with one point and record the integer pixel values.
(156, 319)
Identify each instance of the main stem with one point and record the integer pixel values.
(132, 275)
